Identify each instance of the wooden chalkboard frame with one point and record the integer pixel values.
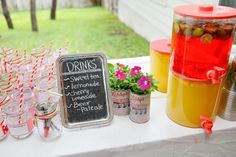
(63, 105)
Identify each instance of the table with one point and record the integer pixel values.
(123, 138)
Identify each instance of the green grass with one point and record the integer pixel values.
(86, 30)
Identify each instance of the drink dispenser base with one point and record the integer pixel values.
(188, 101)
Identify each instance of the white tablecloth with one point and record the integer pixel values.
(123, 138)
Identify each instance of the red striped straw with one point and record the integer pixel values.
(32, 76)
(17, 53)
(52, 70)
(49, 97)
(10, 73)
(4, 60)
(36, 64)
(43, 48)
(18, 81)
(21, 87)
(25, 54)
(34, 70)
(59, 51)
(31, 58)
(49, 76)
(42, 59)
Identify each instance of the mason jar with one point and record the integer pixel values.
(19, 120)
(48, 121)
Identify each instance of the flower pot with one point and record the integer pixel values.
(120, 99)
(139, 108)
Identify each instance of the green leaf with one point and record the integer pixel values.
(110, 66)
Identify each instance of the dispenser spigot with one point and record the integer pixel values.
(215, 74)
(206, 124)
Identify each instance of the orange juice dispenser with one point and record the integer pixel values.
(202, 38)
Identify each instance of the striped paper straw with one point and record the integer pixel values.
(52, 70)
(49, 76)
(42, 59)
(4, 60)
(36, 64)
(10, 73)
(21, 87)
(21, 94)
(18, 81)
(59, 52)
(32, 76)
(25, 51)
(43, 48)
(34, 71)
(17, 53)
(31, 58)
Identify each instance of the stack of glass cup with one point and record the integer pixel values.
(201, 42)
(227, 98)
(24, 79)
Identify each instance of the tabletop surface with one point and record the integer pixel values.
(120, 133)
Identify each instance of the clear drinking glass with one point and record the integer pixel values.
(29, 99)
(19, 120)
(48, 121)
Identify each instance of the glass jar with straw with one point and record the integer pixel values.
(48, 120)
(19, 120)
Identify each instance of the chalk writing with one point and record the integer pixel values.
(84, 89)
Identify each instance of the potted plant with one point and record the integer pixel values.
(119, 84)
(141, 86)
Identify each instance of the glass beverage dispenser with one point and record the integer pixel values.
(202, 37)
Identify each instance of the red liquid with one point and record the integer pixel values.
(194, 59)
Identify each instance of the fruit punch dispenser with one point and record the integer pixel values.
(201, 42)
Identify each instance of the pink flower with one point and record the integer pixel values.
(120, 75)
(136, 70)
(144, 83)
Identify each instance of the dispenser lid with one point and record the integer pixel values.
(205, 11)
(162, 46)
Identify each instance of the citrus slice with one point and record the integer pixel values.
(206, 38)
(197, 32)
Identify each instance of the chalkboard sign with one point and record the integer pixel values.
(83, 83)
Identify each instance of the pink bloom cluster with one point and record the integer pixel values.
(144, 83)
(120, 75)
(136, 70)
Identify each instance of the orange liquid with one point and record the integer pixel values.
(188, 100)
